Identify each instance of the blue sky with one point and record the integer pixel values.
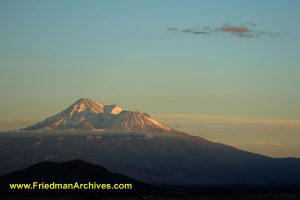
(54, 52)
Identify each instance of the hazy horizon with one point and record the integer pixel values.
(228, 72)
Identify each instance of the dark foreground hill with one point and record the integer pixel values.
(69, 178)
(79, 171)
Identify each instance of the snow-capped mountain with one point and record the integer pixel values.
(88, 114)
(134, 144)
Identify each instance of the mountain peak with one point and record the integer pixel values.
(86, 99)
(84, 104)
(89, 114)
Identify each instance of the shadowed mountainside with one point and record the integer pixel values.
(154, 157)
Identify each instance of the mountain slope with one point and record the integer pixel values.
(88, 114)
(153, 157)
(127, 120)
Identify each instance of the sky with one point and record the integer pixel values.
(224, 70)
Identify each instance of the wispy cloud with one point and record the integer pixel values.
(233, 119)
(235, 29)
(9, 124)
(247, 30)
(194, 31)
(173, 29)
(260, 142)
(277, 144)
(273, 137)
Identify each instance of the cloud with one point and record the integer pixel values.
(235, 29)
(9, 124)
(259, 142)
(211, 126)
(277, 144)
(260, 135)
(247, 30)
(244, 31)
(233, 119)
(196, 32)
(172, 29)
(249, 24)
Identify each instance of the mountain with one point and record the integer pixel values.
(88, 114)
(134, 144)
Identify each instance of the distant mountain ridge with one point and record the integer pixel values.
(88, 114)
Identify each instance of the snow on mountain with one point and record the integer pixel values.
(129, 120)
(84, 104)
(88, 114)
